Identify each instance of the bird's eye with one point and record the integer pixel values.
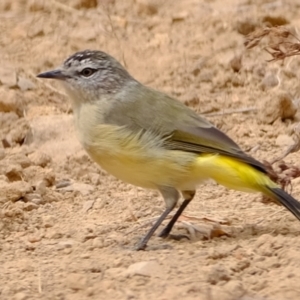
(87, 72)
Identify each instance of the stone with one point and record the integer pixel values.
(25, 84)
(76, 282)
(8, 76)
(145, 268)
(83, 188)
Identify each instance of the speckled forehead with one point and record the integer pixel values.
(79, 59)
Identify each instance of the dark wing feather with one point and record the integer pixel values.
(209, 140)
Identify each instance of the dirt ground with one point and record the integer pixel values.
(68, 229)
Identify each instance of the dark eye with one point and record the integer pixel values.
(87, 72)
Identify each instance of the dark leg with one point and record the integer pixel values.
(171, 197)
(188, 197)
(143, 243)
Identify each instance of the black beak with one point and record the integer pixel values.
(55, 74)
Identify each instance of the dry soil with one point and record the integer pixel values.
(68, 229)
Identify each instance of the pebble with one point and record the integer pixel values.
(2, 153)
(21, 296)
(145, 268)
(76, 282)
(236, 63)
(83, 188)
(98, 242)
(85, 4)
(270, 80)
(218, 273)
(115, 272)
(25, 84)
(14, 172)
(148, 7)
(48, 221)
(33, 197)
(284, 140)
(40, 159)
(40, 187)
(13, 191)
(30, 206)
(245, 26)
(235, 288)
(8, 101)
(34, 238)
(180, 16)
(8, 76)
(278, 105)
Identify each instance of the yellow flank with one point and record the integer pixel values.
(233, 174)
(138, 159)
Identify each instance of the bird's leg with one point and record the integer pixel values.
(171, 197)
(188, 197)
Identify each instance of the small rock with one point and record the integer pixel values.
(270, 80)
(145, 268)
(84, 189)
(277, 105)
(148, 7)
(30, 206)
(8, 101)
(115, 272)
(98, 243)
(48, 221)
(14, 191)
(18, 133)
(76, 282)
(52, 196)
(40, 187)
(87, 205)
(2, 153)
(36, 174)
(284, 140)
(25, 84)
(19, 158)
(94, 178)
(40, 159)
(63, 183)
(235, 288)
(67, 244)
(34, 238)
(38, 201)
(32, 197)
(245, 26)
(180, 16)
(85, 255)
(8, 76)
(14, 172)
(275, 20)
(21, 296)
(218, 273)
(120, 22)
(85, 4)
(236, 63)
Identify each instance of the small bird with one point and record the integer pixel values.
(149, 139)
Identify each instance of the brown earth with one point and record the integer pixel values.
(75, 241)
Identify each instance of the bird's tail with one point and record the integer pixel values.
(241, 176)
(285, 200)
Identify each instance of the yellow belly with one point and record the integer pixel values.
(148, 168)
(138, 158)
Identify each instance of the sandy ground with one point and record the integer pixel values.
(68, 229)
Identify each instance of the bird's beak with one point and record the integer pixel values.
(54, 74)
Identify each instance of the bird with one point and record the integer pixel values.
(149, 139)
